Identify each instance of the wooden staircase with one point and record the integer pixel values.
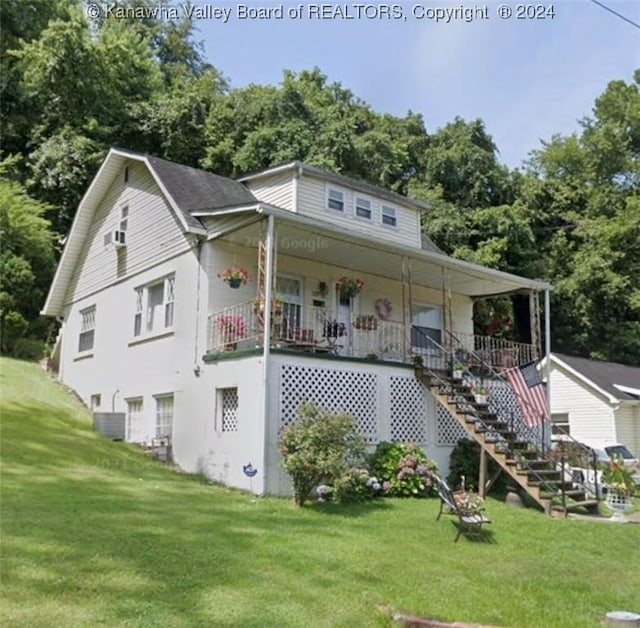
(540, 477)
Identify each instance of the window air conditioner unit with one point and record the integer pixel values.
(116, 238)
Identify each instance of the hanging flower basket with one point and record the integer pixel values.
(235, 276)
(350, 288)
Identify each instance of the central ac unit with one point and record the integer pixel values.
(116, 238)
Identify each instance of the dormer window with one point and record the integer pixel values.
(363, 207)
(335, 199)
(389, 216)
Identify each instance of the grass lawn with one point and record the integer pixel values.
(96, 533)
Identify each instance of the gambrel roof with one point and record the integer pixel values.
(186, 190)
(196, 196)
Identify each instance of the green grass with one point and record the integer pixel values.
(95, 533)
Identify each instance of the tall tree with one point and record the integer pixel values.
(309, 119)
(26, 261)
(583, 192)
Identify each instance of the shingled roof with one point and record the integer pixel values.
(196, 190)
(605, 375)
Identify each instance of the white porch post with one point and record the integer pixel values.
(547, 351)
(406, 306)
(266, 348)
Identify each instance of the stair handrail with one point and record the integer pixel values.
(497, 375)
(450, 391)
(531, 472)
(566, 436)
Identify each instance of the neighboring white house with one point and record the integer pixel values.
(595, 401)
(149, 328)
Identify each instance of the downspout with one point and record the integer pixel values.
(266, 348)
(196, 366)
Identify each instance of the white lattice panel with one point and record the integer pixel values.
(229, 410)
(332, 389)
(408, 409)
(448, 430)
(502, 401)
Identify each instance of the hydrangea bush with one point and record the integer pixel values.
(403, 469)
(322, 449)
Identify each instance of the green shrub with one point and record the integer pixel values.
(320, 448)
(403, 469)
(465, 461)
(356, 485)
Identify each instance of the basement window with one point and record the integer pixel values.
(227, 405)
(164, 416)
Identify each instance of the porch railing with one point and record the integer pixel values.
(306, 327)
(497, 352)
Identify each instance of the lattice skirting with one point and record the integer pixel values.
(386, 407)
(334, 389)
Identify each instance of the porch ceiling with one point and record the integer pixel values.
(300, 237)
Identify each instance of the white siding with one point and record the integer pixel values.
(312, 202)
(276, 190)
(591, 417)
(627, 424)
(218, 454)
(153, 234)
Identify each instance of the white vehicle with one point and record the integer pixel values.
(582, 471)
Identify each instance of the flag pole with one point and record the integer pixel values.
(547, 352)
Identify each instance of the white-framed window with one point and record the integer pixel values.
(96, 401)
(227, 406)
(154, 307)
(124, 217)
(164, 416)
(87, 329)
(363, 208)
(134, 419)
(336, 199)
(389, 215)
(560, 423)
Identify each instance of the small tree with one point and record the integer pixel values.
(319, 448)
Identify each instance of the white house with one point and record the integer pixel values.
(150, 329)
(596, 401)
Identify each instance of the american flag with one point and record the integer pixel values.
(530, 392)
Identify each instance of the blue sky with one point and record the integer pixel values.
(526, 79)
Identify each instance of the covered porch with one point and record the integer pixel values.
(336, 293)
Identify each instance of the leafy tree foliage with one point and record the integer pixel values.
(321, 123)
(320, 447)
(582, 193)
(26, 261)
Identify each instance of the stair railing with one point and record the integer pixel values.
(544, 421)
(486, 368)
(447, 357)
